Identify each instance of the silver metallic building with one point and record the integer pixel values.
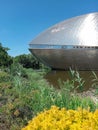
(71, 43)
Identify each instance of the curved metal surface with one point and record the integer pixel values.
(81, 59)
(71, 43)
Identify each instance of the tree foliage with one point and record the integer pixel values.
(5, 59)
(27, 61)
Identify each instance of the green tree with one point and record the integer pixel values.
(5, 59)
(27, 61)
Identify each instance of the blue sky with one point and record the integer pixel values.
(22, 20)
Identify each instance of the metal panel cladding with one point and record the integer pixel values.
(80, 30)
(71, 43)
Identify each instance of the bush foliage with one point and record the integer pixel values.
(5, 59)
(28, 93)
(28, 61)
(62, 119)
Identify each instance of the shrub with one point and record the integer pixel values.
(62, 119)
(5, 59)
(28, 93)
(4, 76)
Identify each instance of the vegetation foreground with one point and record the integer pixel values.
(24, 93)
(25, 96)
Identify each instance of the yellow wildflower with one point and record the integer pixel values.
(62, 119)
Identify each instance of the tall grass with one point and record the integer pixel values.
(30, 93)
(95, 82)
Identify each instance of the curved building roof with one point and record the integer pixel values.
(80, 30)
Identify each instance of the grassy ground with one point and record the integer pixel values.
(24, 93)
